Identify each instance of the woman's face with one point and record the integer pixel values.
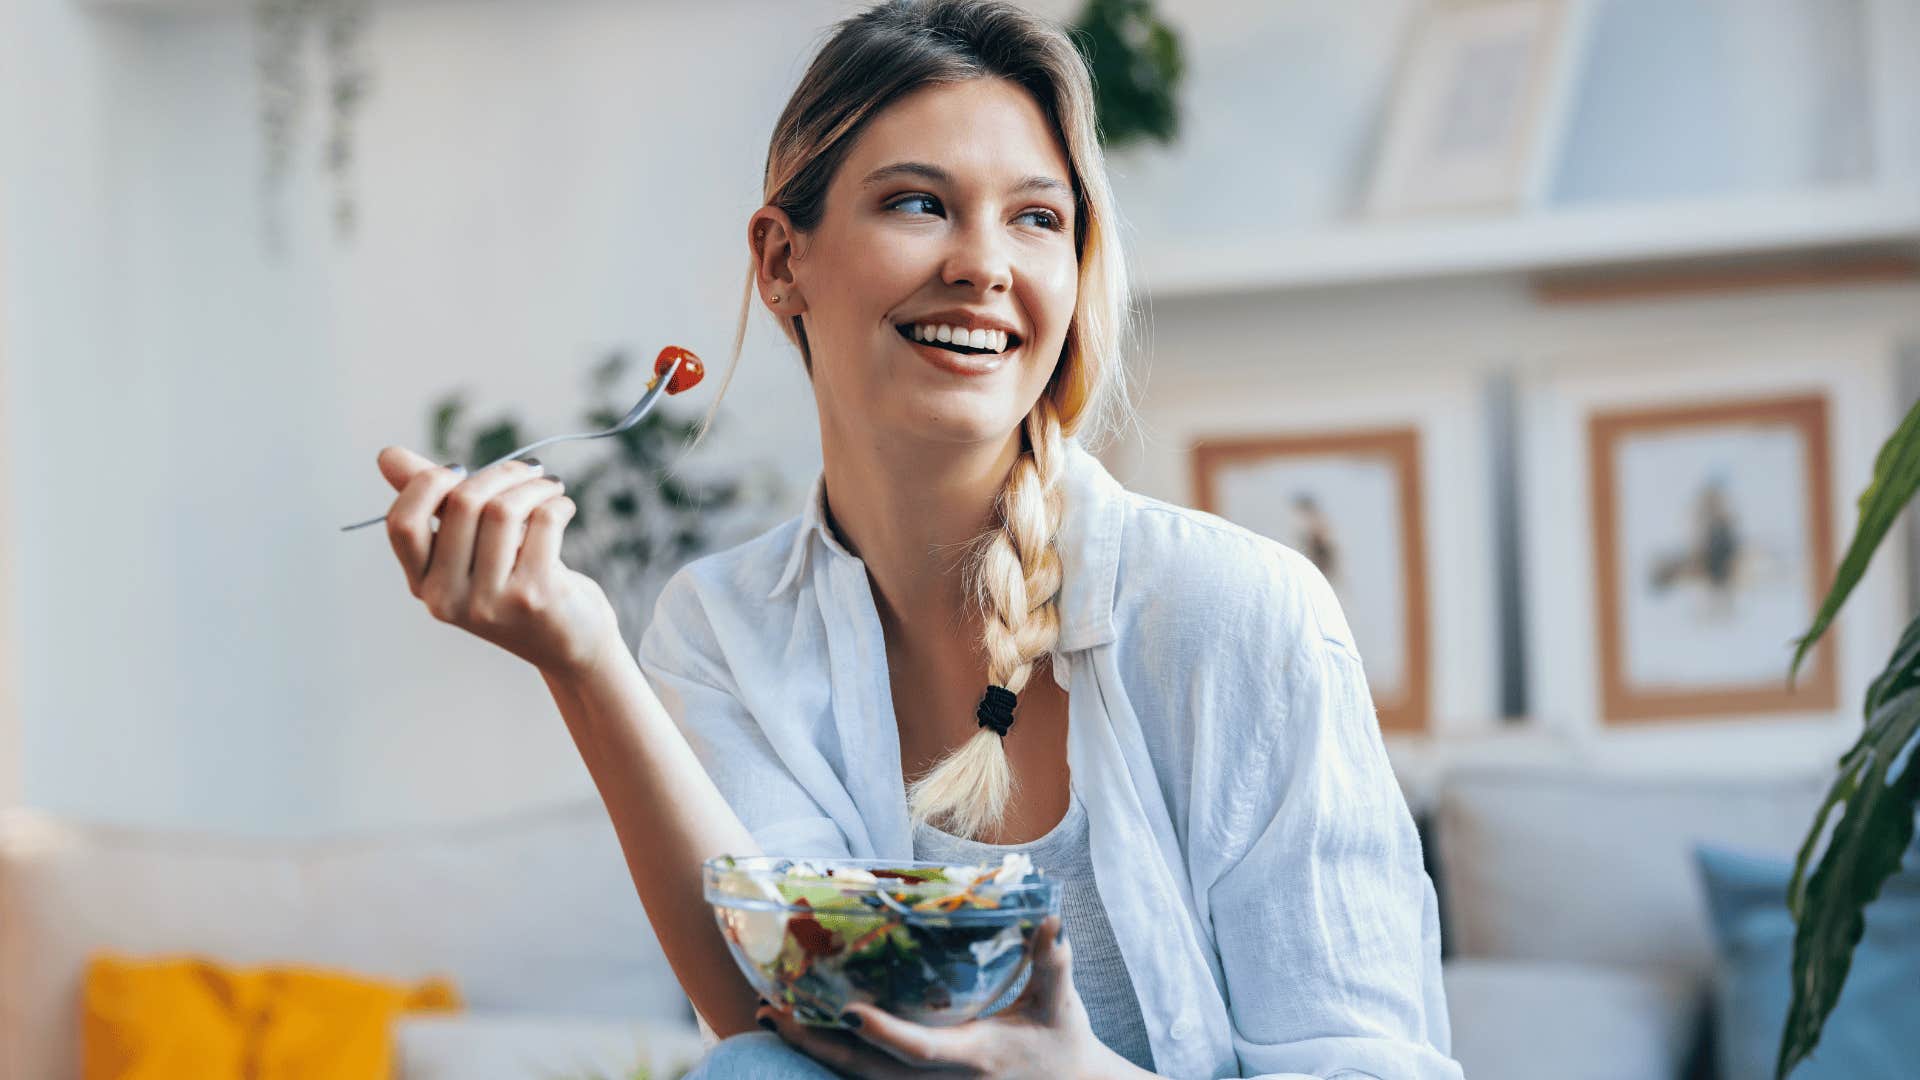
(953, 208)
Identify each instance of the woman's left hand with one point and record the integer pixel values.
(1043, 1033)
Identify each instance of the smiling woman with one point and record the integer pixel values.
(972, 642)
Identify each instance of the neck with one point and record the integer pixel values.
(911, 514)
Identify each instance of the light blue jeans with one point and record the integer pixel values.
(758, 1055)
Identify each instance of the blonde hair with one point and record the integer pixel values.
(871, 60)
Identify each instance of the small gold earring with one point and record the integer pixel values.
(773, 299)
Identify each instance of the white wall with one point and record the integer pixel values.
(189, 420)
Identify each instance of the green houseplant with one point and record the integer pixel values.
(1137, 64)
(637, 515)
(1876, 824)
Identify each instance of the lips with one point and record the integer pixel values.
(952, 360)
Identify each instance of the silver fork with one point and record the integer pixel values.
(640, 409)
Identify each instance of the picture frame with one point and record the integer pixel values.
(1670, 392)
(1712, 546)
(1475, 113)
(1351, 502)
(1439, 414)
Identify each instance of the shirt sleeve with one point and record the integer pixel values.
(684, 661)
(1327, 925)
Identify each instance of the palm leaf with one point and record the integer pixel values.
(1896, 475)
(1872, 836)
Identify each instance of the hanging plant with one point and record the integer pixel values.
(1137, 63)
(281, 30)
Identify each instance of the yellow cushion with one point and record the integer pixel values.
(192, 1019)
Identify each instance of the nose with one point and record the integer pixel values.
(978, 259)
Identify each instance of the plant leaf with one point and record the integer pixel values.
(1871, 838)
(496, 441)
(446, 414)
(1896, 475)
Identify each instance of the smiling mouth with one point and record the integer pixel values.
(905, 330)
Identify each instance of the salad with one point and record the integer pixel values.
(935, 943)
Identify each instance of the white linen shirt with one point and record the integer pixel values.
(1257, 859)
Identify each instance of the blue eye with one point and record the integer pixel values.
(904, 200)
(1052, 219)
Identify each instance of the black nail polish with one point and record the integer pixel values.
(1061, 937)
(852, 1020)
(530, 460)
(769, 1024)
(765, 1004)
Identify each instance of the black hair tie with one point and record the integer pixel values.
(996, 709)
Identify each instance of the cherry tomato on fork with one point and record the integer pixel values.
(691, 370)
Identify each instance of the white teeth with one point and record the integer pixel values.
(995, 340)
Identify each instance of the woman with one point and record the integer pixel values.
(1191, 748)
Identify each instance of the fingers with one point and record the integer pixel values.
(837, 1049)
(1052, 974)
(447, 584)
(916, 1044)
(503, 526)
(400, 465)
(545, 529)
(410, 521)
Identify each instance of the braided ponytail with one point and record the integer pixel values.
(1016, 579)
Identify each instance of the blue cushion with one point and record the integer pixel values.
(1874, 1030)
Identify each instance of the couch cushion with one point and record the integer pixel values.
(534, 911)
(1523, 1019)
(523, 1046)
(1587, 866)
(1870, 1032)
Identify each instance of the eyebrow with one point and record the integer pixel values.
(941, 176)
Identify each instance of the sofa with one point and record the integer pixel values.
(532, 916)
(1576, 933)
(1577, 936)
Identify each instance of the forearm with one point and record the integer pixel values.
(669, 818)
(1109, 1065)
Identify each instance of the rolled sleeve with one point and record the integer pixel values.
(1327, 926)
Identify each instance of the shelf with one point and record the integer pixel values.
(1385, 252)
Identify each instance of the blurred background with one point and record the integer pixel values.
(1562, 334)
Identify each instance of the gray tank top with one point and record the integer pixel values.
(1099, 972)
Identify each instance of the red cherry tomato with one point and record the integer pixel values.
(691, 369)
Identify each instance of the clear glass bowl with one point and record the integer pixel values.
(816, 941)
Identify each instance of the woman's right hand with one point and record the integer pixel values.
(493, 568)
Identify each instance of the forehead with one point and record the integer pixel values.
(981, 131)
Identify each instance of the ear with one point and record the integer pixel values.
(773, 240)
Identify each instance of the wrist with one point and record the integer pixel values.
(608, 650)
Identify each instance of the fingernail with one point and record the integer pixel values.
(765, 1004)
(769, 1024)
(1061, 937)
(851, 1019)
(457, 470)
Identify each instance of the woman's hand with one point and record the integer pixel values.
(1044, 1034)
(493, 568)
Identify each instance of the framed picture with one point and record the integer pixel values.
(1713, 545)
(1684, 500)
(1393, 462)
(1349, 501)
(1475, 105)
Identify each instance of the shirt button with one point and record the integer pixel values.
(1182, 1027)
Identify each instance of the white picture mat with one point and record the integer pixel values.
(1690, 635)
(1470, 107)
(1447, 407)
(1359, 495)
(1854, 368)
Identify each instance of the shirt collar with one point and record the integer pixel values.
(1089, 543)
